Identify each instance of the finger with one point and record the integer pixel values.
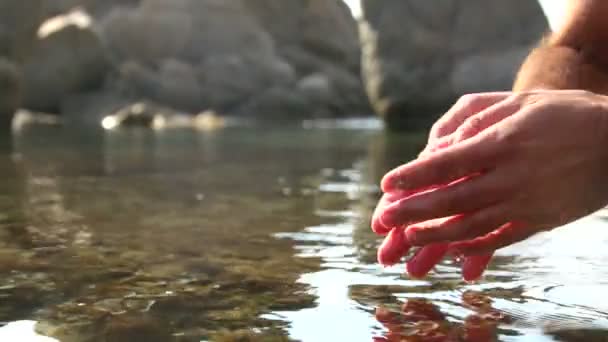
(425, 259)
(440, 143)
(447, 165)
(377, 226)
(506, 235)
(465, 107)
(459, 227)
(393, 248)
(475, 124)
(386, 200)
(462, 197)
(474, 266)
(380, 227)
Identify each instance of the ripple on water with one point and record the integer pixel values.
(548, 286)
(172, 225)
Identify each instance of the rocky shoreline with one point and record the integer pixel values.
(269, 59)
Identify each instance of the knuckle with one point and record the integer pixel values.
(519, 97)
(470, 127)
(437, 128)
(528, 98)
(507, 141)
(469, 100)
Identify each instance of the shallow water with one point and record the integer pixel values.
(250, 233)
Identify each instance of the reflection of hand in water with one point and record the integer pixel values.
(419, 320)
(396, 245)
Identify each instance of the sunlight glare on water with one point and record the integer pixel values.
(22, 331)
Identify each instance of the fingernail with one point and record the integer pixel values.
(390, 184)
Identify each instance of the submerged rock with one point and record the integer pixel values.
(128, 329)
(419, 56)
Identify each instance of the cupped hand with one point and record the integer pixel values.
(502, 167)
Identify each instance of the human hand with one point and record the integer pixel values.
(534, 161)
(395, 246)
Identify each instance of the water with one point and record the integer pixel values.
(249, 233)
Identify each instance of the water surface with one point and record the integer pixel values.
(250, 233)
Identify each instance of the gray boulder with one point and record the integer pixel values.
(229, 81)
(316, 87)
(174, 84)
(19, 22)
(66, 60)
(97, 8)
(90, 108)
(324, 28)
(348, 97)
(487, 70)
(280, 103)
(418, 56)
(193, 55)
(189, 30)
(319, 36)
(233, 56)
(229, 56)
(10, 93)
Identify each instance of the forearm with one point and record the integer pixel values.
(558, 66)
